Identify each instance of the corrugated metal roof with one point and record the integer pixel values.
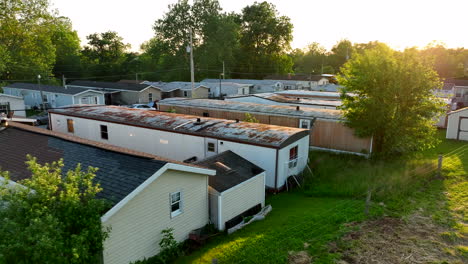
(283, 99)
(253, 133)
(310, 93)
(284, 110)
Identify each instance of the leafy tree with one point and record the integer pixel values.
(211, 30)
(67, 48)
(265, 40)
(312, 60)
(25, 35)
(340, 53)
(52, 217)
(104, 54)
(393, 99)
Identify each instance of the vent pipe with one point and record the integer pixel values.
(297, 108)
(237, 120)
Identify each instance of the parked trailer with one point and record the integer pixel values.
(280, 151)
(327, 131)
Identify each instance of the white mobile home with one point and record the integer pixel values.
(148, 194)
(280, 151)
(10, 103)
(457, 125)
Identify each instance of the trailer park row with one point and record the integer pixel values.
(192, 162)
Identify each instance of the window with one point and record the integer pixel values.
(211, 147)
(304, 123)
(293, 154)
(70, 127)
(185, 94)
(84, 100)
(5, 107)
(150, 97)
(205, 114)
(44, 98)
(104, 133)
(176, 203)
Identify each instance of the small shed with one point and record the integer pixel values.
(457, 125)
(236, 191)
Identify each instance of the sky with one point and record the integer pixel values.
(399, 23)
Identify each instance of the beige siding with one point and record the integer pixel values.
(242, 198)
(143, 96)
(136, 227)
(201, 92)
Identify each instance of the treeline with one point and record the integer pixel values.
(251, 44)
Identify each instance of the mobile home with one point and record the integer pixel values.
(280, 151)
(326, 127)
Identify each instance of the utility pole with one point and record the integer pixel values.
(136, 77)
(224, 74)
(64, 83)
(40, 89)
(192, 70)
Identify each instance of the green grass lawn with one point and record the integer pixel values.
(295, 219)
(309, 219)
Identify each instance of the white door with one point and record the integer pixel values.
(211, 147)
(463, 128)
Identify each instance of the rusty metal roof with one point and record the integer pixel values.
(252, 133)
(283, 99)
(281, 110)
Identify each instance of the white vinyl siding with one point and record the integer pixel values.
(240, 198)
(136, 227)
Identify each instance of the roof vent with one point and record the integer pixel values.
(198, 121)
(298, 99)
(237, 120)
(297, 108)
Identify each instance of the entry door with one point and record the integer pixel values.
(462, 128)
(211, 147)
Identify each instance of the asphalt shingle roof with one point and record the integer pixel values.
(119, 173)
(238, 170)
(48, 88)
(111, 85)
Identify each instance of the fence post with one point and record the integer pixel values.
(368, 200)
(439, 167)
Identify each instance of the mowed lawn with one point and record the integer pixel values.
(309, 219)
(295, 219)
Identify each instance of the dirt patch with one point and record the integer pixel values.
(300, 257)
(392, 240)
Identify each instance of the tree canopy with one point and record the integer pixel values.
(393, 100)
(52, 217)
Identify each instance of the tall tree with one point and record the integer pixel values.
(25, 34)
(168, 47)
(67, 48)
(265, 40)
(104, 54)
(393, 99)
(340, 53)
(312, 60)
(53, 217)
